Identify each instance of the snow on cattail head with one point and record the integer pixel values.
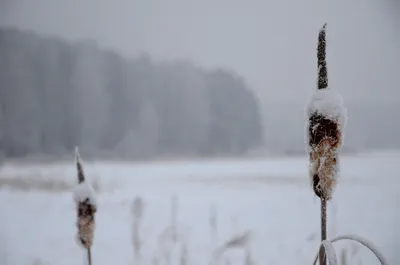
(85, 200)
(326, 119)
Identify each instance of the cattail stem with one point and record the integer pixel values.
(322, 256)
(89, 256)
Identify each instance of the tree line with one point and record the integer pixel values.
(55, 95)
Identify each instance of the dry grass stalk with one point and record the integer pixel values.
(248, 258)
(361, 241)
(86, 209)
(155, 261)
(347, 256)
(174, 218)
(237, 241)
(166, 244)
(167, 257)
(227, 261)
(183, 260)
(213, 222)
(343, 257)
(137, 214)
(330, 252)
(169, 236)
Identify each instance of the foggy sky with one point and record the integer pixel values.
(271, 43)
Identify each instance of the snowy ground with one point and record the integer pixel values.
(268, 197)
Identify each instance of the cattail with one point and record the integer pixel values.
(86, 207)
(326, 119)
(325, 124)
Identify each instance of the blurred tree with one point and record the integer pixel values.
(55, 95)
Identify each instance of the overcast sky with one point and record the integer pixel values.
(271, 43)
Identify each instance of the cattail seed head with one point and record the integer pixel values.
(86, 223)
(86, 206)
(326, 119)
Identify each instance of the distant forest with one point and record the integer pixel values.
(55, 95)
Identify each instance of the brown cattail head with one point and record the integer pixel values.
(321, 56)
(326, 119)
(86, 223)
(86, 206)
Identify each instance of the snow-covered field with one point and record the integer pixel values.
(269, 197)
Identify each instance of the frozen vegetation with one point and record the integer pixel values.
(263, 206)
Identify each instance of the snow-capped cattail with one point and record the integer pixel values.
(326, 119)
(86, 206)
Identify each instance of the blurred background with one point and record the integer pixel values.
(146, 79)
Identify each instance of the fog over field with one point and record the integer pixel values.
(270, 46)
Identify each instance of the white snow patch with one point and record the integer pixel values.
(267, 210)
(84, 191)
(328, 103)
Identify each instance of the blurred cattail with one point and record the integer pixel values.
(326, 119)
(86, 207)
